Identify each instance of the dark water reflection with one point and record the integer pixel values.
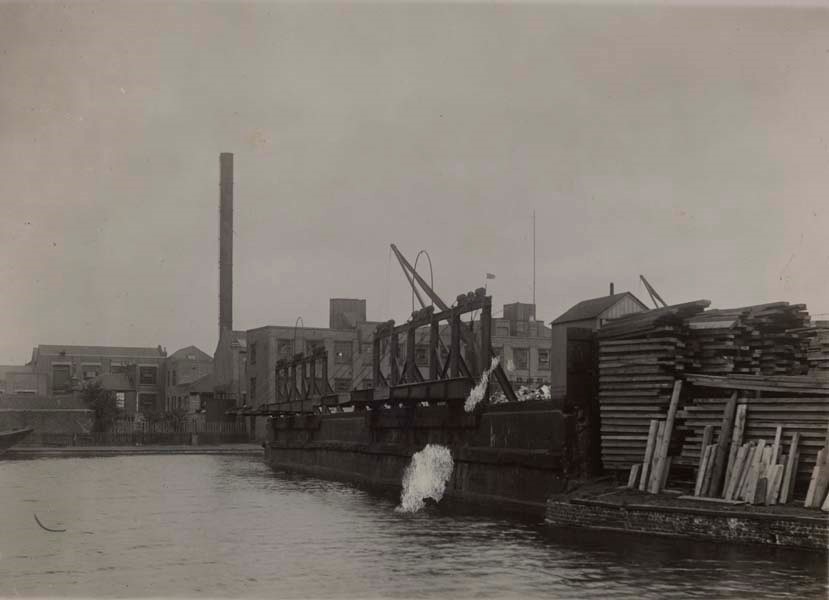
(221, 526)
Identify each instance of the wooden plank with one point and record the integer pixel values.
(791, 469)
(709, 468)
(665, 471)
(666, 438)
(703, 466)
(775, 448)
(821, 482)
(740, 489)
(736, 442)
(775, 480)
(755, 473)
(721, 455)
(759, 495)
(736, 472)
(646, 463)
(706, 441)
(634, 473)
(660, 433)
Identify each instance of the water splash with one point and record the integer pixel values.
(477, 393)
(426, 477)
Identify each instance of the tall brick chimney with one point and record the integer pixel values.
(225, 242)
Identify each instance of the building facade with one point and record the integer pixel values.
(523, 343)
(184, 367)
(349, 347)
(137, 375)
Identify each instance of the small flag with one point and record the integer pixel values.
(490, 276)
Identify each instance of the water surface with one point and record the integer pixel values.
(222, 526)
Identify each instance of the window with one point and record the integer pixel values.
(146, 402)
(117, 367)
(175, 377)
(342, 353)
(253, 387)
(252, 353)
(502, 329)
(191, 357)
(422, 355)
(521, 356)
(312, 345)
(90, 370)
(521, 328)
(147, 375)
(283, 348)
(61, 378)
(543, 359)
(342, 385)
(120, 400)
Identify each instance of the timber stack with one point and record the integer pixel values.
(640, 357)
(777, 408)
(818, 350)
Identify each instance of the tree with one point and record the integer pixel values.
(102, 402)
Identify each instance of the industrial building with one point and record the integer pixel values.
(184, 367)
(135, 374)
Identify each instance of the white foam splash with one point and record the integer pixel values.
(477, 393)
(426, 477)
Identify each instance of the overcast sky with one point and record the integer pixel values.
(687, 144)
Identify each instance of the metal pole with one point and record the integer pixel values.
(533, 263)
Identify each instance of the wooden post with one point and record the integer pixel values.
(736, 472)
(655, 477)
(736, 441)
(790, 474)
(703, 468)
(722, 447)
(666, 438)
(703, 460)
(775, 449)
(646, 463)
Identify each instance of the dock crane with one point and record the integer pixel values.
(413, 277)
(653, 293)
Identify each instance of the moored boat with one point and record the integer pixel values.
(10, 437)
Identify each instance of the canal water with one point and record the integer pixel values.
(222, 526)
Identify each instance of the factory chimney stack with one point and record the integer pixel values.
(225, 242)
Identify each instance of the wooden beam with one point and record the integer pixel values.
(646, 463)
(722, 447)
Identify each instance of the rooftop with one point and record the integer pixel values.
(592, 308)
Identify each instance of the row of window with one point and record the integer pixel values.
(62, 374)
(521, 357)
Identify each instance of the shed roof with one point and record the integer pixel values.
(593, 308)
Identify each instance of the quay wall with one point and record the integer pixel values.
(509, 456)
(805, 532)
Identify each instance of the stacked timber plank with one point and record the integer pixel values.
(640, 357)
(818, 350)
(787, 405)
(764, 339)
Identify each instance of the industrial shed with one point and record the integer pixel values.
(590, 315)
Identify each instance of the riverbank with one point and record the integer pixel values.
(27, 452)
(604, 506)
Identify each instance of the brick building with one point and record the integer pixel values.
(137, 375)
(183, 367)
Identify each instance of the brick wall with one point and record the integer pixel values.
(797, 532)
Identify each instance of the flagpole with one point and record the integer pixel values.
(533, 260)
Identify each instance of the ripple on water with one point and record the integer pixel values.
(229, 526)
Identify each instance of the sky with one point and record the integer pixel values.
(689, 144)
